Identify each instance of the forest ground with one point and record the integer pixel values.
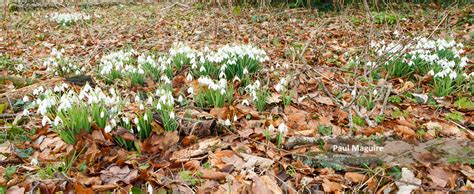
(427, 141)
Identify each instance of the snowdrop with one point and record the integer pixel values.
(65, 19)
(45, 120)
(439, 58)
(259, 95)
(282, 131)
(19, 68)
(282, 128)
(227, 122)
(271, 128)
(180, 99)
(190, 90)
(25, 112)
(38, 90)
(59, 65)
(135, 120)
(189, 77)
(108, 129)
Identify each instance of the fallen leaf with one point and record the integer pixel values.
(115, 174)
(213, 175)
(6, 148)
(197, 149)
(78, 188)
(468, 171)
(397, 147)
(271, 184)
(101, 188)
(259, 186)
(439, 176)
(324, 100)
(16, 190)
(252, 161)
(274, 98)
(404, 130)
(331, 187)
(423, 98)
(354, 177)
(407, 176)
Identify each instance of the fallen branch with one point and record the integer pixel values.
(7, 116)
(295, 141)
(27, 90)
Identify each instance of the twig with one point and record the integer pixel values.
(385, 100)
(7, 116)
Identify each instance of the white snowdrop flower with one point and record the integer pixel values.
(286, 65)
(370, 64)
(34, 162)
(235, 118)
(142, 107)
(227, 122)
(396, 33)
(282, 128)
(26, 99)
(45, 120)
(38, 90)
(135, 120)
(56, 121)
(257, 84)
(150, 189)
(138, 128)
(191, 90)
(354, 92)
(375, 92)
(271, 128)
(102, 114)
(222, 75)
(113, 123)
(431, 72)
(453, 75)
(126, 120)
(202, 69)
(189, 77)
(145, 117)
(180, 99)
(245, 102)
(158, 106)
(149, 100)
(137, 98)
(278, 87)
(172, 115)
(87, 87)
(26, 112)
(246, 71)
(108, 129)
(236, 78)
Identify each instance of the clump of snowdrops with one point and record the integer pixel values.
(71, 113)
(134, 66)
(66, 19)
(441, 59)
(59, 65)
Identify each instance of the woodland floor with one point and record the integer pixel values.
(432, 140)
